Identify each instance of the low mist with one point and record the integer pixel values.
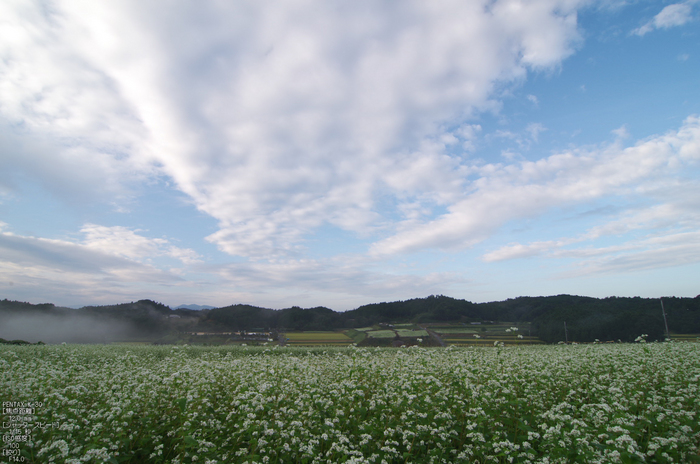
(73, 328)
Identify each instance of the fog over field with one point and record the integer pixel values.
(49, 328)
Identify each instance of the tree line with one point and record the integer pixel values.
(586, 318)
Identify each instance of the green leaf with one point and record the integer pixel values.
(190, 441)
(524, 426)
(182, 404)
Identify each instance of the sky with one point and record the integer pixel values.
(340, 153)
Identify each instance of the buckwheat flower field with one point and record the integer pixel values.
(531, 404)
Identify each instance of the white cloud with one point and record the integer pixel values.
(524, 139)
(337, 278)
(110, 264)
(518, 251)
(505, 193)
(63, 120)
(122, 241)
(668, 250)
(38, 266)
(116, 251)
(534, 129)
(511, 155)
(469, 134)
(275, 119)
(673, 15)
(660, 236)
(114, 264)
(621, 132)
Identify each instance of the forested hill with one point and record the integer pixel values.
(586, 318)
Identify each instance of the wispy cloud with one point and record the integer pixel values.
(669, 250)
(505, 193)
(338, 278)
(534, 129)
(661, 236)
(122, 241)
(673, 15)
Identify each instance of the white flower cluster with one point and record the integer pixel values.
(533, 404)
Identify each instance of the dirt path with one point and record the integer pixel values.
(435, 336)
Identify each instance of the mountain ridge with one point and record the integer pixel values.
(193, 306)
(586, 318)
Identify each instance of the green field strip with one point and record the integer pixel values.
(685, 337)
(318, 343)
(487, 336)
(413, 333)
(317, 338)
(303, 335)
(381, 334)
(453, 330)
(491, 339)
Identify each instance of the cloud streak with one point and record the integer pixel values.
(511, 192)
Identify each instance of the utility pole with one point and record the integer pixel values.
(566, 333)
(663, 311)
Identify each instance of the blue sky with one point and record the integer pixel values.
(342, 153)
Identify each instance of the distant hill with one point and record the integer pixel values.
(586, 318)
(195, 307)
